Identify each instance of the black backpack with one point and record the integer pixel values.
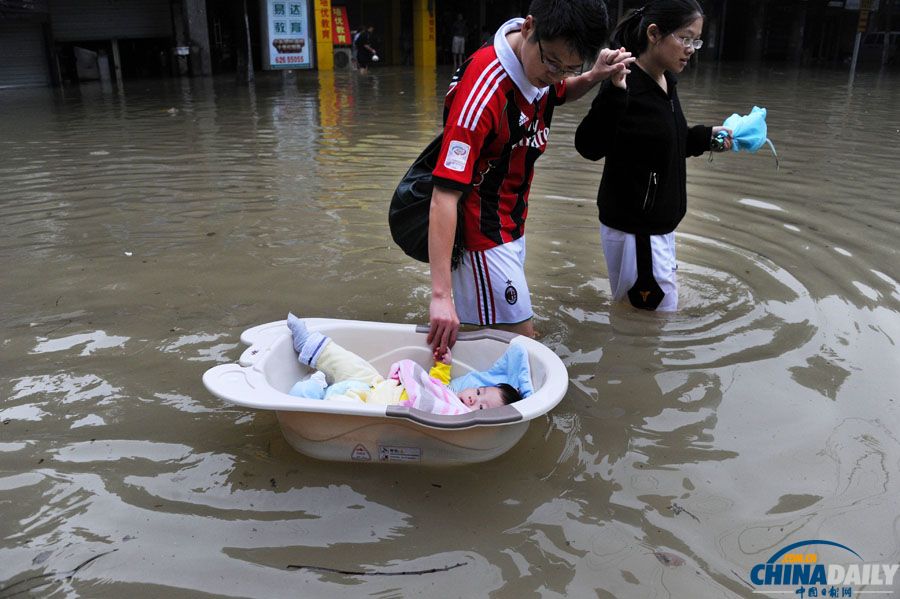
(410, 206)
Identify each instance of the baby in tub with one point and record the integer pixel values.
(407, 382)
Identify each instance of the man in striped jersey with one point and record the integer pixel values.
(496, 123)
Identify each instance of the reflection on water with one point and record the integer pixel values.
(141, 231)
(92, 342)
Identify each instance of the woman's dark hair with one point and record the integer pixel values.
(509, 394)
(582, 24)
(668, 15)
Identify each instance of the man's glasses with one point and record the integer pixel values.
(689, 42)
(556, 68)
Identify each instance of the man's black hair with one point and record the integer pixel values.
(582, 24)
(509, 394)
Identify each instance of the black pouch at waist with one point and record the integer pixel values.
(646, 293)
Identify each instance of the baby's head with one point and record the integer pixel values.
(482, 398)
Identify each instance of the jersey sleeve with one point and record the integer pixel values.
(560, 90)
(472, 115)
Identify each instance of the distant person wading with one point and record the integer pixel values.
(458, 44)
(365, 52)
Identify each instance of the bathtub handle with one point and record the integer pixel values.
(263, 334)
(496, 335)
(239, 385)
(501, 415)
(260, 339)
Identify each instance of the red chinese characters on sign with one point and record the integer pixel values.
(341, 28)
(325, 30)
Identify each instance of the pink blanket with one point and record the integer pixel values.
(426, 393)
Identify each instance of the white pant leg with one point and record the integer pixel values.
(621, 264)
(665, 269)
(621, 261)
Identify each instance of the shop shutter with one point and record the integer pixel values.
(24, 56)
(84, 20)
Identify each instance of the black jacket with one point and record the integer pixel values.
(645, 139)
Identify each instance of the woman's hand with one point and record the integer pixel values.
(613, 64)
(610, 64)
(727, 142)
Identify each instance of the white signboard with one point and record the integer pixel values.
(286, 34)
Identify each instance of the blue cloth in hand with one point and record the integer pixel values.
(748, 132)
(511, 368)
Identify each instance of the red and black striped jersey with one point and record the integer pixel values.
(496, 125)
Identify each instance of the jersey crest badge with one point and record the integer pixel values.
(511, 295)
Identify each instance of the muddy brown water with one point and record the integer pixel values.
(142, 230)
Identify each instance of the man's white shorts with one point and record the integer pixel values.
(621, 262)
(489, 287)
(458, 45)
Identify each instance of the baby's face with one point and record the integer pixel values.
(481, 398)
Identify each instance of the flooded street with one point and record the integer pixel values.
(142, 230)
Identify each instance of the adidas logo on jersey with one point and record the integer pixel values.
(523, 118)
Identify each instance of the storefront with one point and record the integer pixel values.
(66, 41)
(98, 39)
(23, 48)
(60, 42)
(23, 43)
(53, 42)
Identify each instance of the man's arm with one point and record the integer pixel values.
(609, 63)
(441, 233)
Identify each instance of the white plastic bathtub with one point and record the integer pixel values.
(356, 432)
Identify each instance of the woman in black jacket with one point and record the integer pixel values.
(636, 123)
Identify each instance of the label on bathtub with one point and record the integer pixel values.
(360, 454)
(394, 453)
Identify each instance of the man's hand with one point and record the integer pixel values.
(613, 64)
(444, 324)
(441, 231)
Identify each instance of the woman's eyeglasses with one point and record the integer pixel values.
(688, 42)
